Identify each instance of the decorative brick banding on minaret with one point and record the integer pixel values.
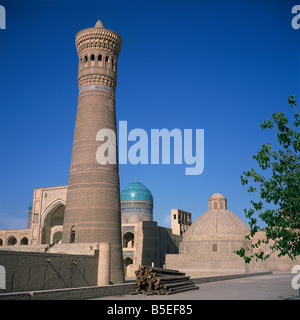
(92, 211)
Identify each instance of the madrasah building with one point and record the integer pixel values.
(90, 233)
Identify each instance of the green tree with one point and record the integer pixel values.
(279, 194)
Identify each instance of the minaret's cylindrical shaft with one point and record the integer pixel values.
(92, 211)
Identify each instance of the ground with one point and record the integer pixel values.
(275, 286)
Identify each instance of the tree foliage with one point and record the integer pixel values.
(279, 194)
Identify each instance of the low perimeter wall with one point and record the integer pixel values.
(32, 271)
(111, 290)
(228, 277)
(72, 293)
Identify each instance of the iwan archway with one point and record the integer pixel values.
(52, 222)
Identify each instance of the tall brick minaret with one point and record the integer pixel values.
(92, 211)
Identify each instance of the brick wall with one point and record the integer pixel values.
(30, 271)
(72, 293)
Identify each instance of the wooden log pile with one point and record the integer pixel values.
(153, 280)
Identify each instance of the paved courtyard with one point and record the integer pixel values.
(276, 286)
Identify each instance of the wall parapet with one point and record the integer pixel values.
(72, 293)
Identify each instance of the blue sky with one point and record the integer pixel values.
(221, 66)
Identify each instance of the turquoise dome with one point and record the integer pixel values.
(136, 191)
(30, 206)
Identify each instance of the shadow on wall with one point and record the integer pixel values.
(29, 271)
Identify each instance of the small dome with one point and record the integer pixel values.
(217, 195)
(136, 191)
(30, 206)
(217, 201)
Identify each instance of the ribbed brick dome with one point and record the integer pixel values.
(217, 223)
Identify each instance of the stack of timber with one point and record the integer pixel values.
(153, 280)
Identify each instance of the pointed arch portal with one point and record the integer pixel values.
(128, 267)
(52, 222)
